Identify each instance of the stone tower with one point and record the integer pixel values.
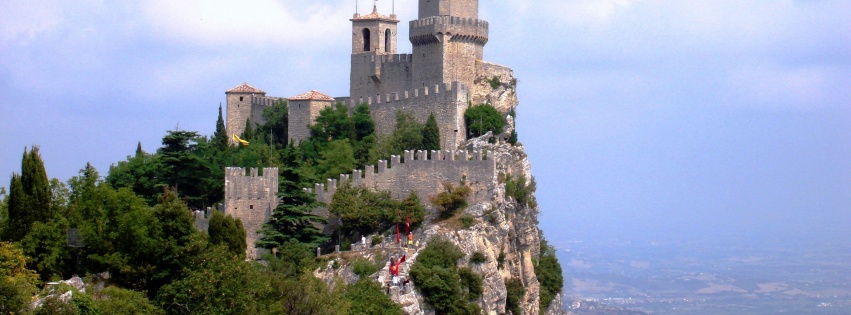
(373, 40)
(240, 108)
(251, 198)
(448, 39)
(303, 110)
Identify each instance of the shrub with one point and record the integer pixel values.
(482, 118)
(478, 258)
(514, 295)
(363, 267)
(467, 221)
(548, 271)
(500, 261)
(494, 82)
(520, 191)
(367, 297)
(376, 240)
(451, 200)
(471, 282)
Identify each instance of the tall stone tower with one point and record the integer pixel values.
(448, 39)
(240, 108)
(373, 40)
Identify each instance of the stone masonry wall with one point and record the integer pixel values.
(420, 173)
(372, 75)
(448, 102)
(251, 198)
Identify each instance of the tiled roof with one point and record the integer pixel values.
(311, 96)
(245, 88)
(375, 16)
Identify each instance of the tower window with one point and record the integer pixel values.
(366, 39)
(240, 98)
(387, 40)
(251, 207)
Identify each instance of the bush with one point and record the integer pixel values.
(444, 286)
(367, 297)
(376, 240)
(548, 271)
(520, 191)
(500, 261)
(478, 258)
(471, 282)
(364, 268)
(514, 295)
(467, 221)
(451, 200)
(482, 118)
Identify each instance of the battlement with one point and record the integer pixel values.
(433, 91)
(420, 171)
(265, 101)
(424, 31)
(251, 197)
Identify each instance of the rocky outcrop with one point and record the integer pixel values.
(503, 230)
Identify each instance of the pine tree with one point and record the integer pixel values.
(139, 151)
(220, 137)
(431, 134)
(293, 219)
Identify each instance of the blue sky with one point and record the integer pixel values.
(643, 119)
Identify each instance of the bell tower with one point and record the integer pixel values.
(373, 40)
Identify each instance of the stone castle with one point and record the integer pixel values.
(443, 75)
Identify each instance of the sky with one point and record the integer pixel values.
(645, 120)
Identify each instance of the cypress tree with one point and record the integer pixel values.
(220, 137)
(431, 134)
(139, 151)
(29, 196)
(248, 133)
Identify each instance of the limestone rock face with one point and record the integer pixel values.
(504, 230)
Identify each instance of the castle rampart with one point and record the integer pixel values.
(448, 102)
(419, 172)
(251, 198)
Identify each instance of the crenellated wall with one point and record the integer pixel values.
(421, 172)
(448, 102)
(251, 198)
(379, 74)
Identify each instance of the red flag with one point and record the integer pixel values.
(403, 258)
(398, 236)
(407, 225)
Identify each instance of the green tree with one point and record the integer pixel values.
(4, 210)
(141, 173)
(220, 136)
(182, 168)
(248, 132)
(17, 283)
(408, 135)
(219, 283)
(45, 244)
(29, 196)
(227, 231)
(548, 272)
(277, 122)
(451, 200)
(360, 209)
(363, 123)
(115, 300)
(514, 296)
(482, 118)
(367, 297)
(337, 159)
(333, 123)
(431, 134)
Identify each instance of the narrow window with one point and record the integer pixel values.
(251, 207)
(366, 39)
(240, 98)
(387, 40)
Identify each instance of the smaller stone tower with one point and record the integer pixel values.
(303, 110)
(251, 198)
(373, 41)
(240, 109)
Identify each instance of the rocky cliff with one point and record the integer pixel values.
(503, 229)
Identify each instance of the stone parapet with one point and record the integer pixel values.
(426, 30)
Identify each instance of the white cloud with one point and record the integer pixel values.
(24, 20)
(260, 22)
